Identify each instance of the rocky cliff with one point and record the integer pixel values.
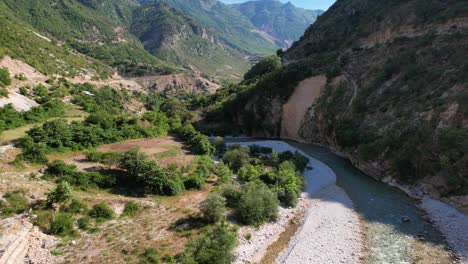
(395, 96)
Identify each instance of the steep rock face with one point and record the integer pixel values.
(396, 97)
(285, 23)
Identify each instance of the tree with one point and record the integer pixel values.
(33, 152)
(224, 173)
(250, 172)
(235, 158)
(60, 194)
(5, 79)
(257, 204)
(213, 208)
(213, 247)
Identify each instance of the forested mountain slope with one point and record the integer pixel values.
(172, 36)
(285, 23)
(382, 82)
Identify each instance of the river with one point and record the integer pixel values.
(395, 229)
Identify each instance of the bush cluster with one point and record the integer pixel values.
(62, 172)
(197, 142)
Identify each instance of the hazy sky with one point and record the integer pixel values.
(309, 4)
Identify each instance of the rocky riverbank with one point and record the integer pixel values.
(331, 229)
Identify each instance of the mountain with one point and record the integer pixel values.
(383, 83)
(153, 37)
(172, 36)
(91, 29)
(228, 24)
(285, 23)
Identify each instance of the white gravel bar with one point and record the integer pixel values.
(331, 228)
(452, 223)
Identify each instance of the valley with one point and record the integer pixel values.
(200, 132)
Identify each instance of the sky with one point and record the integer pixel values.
(308, 4)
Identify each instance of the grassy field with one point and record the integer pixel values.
(72, 113)
(123, 240)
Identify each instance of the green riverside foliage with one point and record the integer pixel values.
(257, 204)
(235, 158)
(198, 142)
(224, 174)
(213, 208)
(214, 246)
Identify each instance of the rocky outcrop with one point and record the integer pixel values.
(296, 107)
(21, 242)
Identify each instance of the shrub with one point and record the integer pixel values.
(60, 194)
(75, 207)
(3, 92)
(224, 173)
(235, 158)
(16, 203)
(84, 223)
(5, 79)
(62, 225)
(150, 255)
(131, 209)
(213, 208)
(215, 246)
(257, 204)
(232, 193)
(250, 173)
(194, 181)
(33, 152)
(102, 212)
(219, 145)
(267, 65)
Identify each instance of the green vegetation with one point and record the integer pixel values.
(213, 208)
(10, 118)
(236, 157)
(257, 204)
(16, 203)
(62, 226)
(156, 19)
(214, 246)
(60, 194)
(198, 142)
(150, 255)
(101, 212)
(131, 209)
(267, 65)
(5, 79)
(62, 172)
(75, 207)
(257, 200)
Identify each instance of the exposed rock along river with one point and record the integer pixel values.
(353, 218)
